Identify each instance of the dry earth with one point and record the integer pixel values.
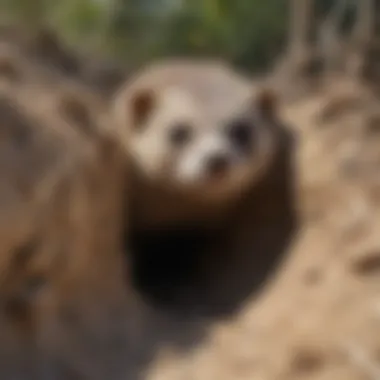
(317, 314)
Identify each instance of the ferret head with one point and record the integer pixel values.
(211, 142)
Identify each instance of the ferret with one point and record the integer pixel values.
(200, 139)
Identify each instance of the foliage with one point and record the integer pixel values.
(249, 33)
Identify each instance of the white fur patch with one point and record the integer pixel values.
(192, 166)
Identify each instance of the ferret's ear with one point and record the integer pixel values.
(266, 103)
(142, 104)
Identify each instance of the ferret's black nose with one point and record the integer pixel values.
(217, 165)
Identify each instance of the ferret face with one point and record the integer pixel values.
(211, 147)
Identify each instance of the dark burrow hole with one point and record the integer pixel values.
(180, 271)
(166, 265)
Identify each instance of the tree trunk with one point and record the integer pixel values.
(365, 23)
(301, 16)
(366, 49)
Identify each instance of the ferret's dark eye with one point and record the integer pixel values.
(240, 132)
(180, 134)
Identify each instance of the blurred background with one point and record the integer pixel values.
(318, 317)
(251, 34)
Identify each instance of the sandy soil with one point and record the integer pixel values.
(317, 316)
(316, 312)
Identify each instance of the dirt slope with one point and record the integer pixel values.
(318, 317)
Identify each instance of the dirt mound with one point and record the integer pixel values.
(317, 314)
(60, 270)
